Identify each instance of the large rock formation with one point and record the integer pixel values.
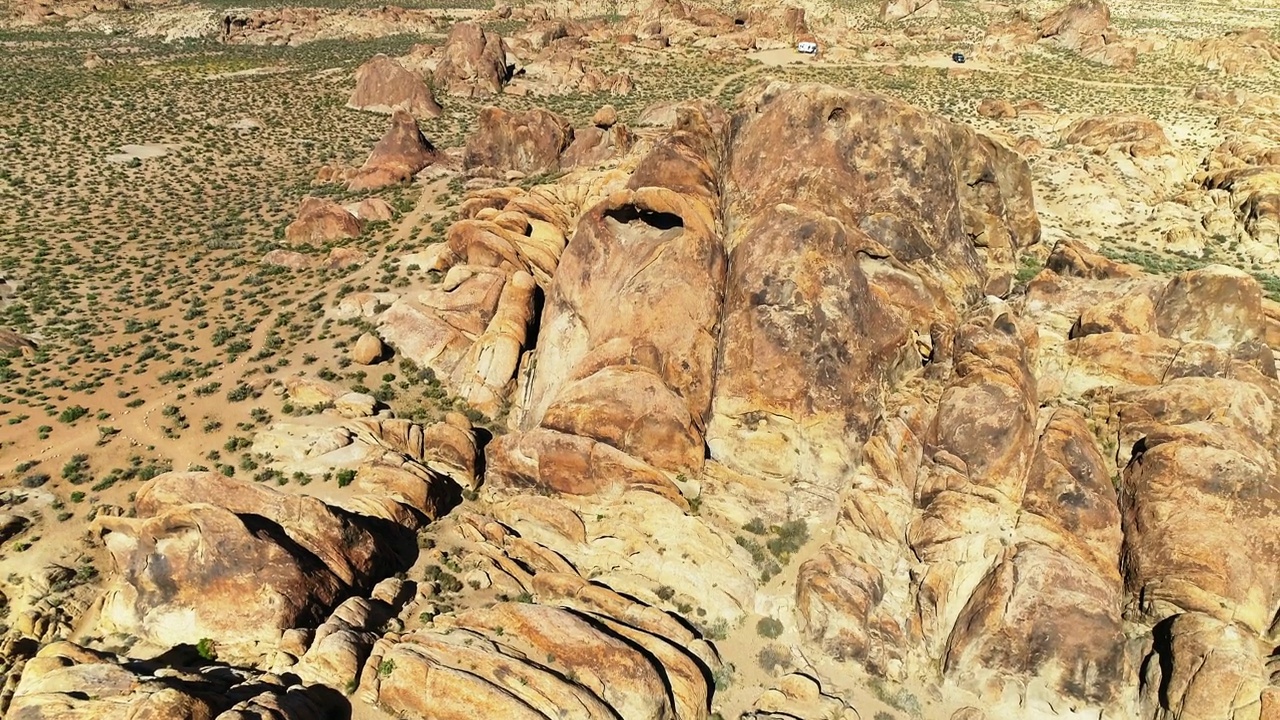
(65, 680)
(1133, 134)
(1012, 526)
(1058, 499)
(384, 86)
(470, 329)
(211, 557)
(321, 220)
(624, 379)
(842, 282)
(1240, 52)
(529, 142)
(473, 62)
(891, 10)
(398, 156)
(12, 342)
(1085, 27)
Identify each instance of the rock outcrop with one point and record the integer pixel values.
(65, 680)
(1133, 134)
(529, 142)
(384, 86)
(595, 144)
(12, 342)
(811, 340)
(1085, 27)
(1241, 52)
(401, 153)
(279, 561)
(621, 383)
(470, 330)
(367, 350)
(473, 62)
(891, 10)
(321, 220)
(731, 384)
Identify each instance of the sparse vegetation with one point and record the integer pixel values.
(205, 649)
(769, 628)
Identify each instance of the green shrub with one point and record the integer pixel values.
(206, 650)
(72, 414)
(769, 627)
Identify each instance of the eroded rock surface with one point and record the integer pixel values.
(1085, 27)
(211, 557)
(624, 383)
(815, 333)
(398, 156)
(529, 142)
(384, 86)
(473, 62)
(787, 396)
(321, 220)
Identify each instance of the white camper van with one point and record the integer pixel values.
(807, 47)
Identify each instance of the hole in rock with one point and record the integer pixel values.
(628, 214)
(837, 115)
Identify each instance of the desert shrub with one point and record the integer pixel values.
(206, 650)
(72, 414)
(769, 627)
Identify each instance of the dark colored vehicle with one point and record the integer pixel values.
(957, 57)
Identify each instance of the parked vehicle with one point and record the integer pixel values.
(957, 57)
(807, 47)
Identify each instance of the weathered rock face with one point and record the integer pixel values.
(321, 220)
(470, 330)
(1239, 52)
(529, 142)
(384, 86)
(592, 663)
(65, 680)
(1218, 304)
(1059, 501)
(210, 557)
(1206, 668)
(595, 144)
(834, 278)
(997, 108)
(367, 350)
(1253, 196)
(1214, 561)
(398, 156)
(1207, 581)
(1010, 35)
(1241, 185)
(473, 62)
(430, 453)
(998, 556)
(1189, 397)
(559, 69)
(11, 341)
(539, 656)
(630, 322)
(1085, 27)
(1136, 135)
(903, 9)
